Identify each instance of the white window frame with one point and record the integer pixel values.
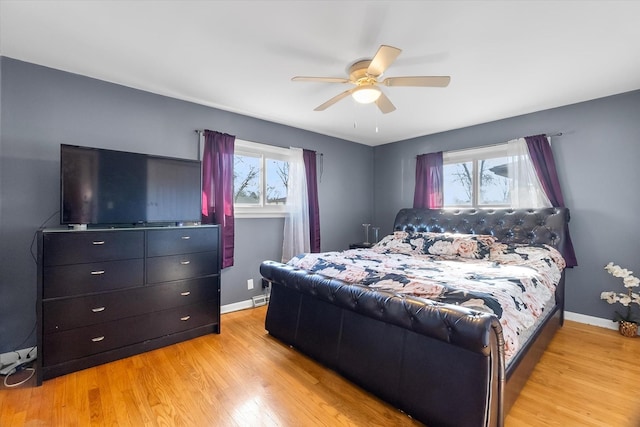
(475, 155)
(263, 151)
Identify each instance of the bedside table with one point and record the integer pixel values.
(360, 245)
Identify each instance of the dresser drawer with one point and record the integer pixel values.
(184, 318)
(185, 266)
(69, 313)
(181, 241)
(184, 292)
(76, 343)
(91, 246)
(68, 280)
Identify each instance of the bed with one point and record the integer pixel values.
(443, 359)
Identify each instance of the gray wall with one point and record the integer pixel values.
(597, 160)
(42, 108)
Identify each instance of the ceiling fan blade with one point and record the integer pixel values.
(384, 57)
(333, 100)
(384, 104)
(426, 81)
(320, 79)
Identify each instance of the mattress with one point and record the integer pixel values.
(514, 282)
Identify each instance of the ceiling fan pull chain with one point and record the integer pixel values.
(355, 111)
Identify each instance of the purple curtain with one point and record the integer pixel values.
(545, 166)
(428, 191)
(217, 188)
(312, 189)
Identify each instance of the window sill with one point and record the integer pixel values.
(259, 214)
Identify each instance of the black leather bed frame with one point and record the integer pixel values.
(441, 364)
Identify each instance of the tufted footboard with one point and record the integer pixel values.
(441, 364)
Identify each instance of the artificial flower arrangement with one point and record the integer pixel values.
(626, 299)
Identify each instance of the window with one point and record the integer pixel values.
(477, 177)
(260, 174)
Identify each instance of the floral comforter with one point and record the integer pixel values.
(514, 282)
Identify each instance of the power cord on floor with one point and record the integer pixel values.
(6, 378)
(21, 364)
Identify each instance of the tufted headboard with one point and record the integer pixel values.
(532, 226)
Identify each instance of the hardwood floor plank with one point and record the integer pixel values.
(589, 376)
(585, 378)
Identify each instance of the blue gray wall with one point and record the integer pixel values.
(42, 108)
(597, 160)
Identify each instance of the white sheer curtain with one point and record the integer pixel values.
(296, 222)
(526, 190)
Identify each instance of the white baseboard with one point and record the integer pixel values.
(236, 306)
(591, 320)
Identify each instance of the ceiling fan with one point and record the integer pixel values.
(364, 75)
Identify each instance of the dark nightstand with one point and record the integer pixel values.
(360, 245)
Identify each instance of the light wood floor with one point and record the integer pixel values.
(588, 377)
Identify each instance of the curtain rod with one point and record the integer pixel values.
(494, 145)
(201, 131)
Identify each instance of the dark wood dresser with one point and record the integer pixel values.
(106, 294)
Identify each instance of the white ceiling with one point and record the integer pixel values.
(505, 58)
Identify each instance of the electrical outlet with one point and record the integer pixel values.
(250, 284)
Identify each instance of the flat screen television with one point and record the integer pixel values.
(118, 188)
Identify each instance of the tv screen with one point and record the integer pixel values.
(108, 187)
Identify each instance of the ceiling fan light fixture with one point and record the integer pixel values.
(364, 74)
(366, 94)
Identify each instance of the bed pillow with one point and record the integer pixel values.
(474, 246)
(397, 243)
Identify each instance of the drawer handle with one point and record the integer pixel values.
(97, 272)
(184, 294)
(97, 339)
(97, 309)
(185, 262)
(98, 242)
(185, 237)
(185, 318)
